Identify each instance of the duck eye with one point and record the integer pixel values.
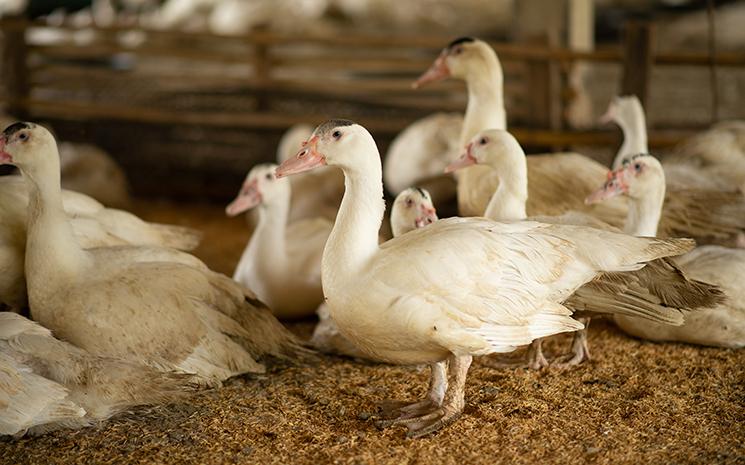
(269, 176)
(638, 166)
(483, 141)
(336, 134)
(23, 136)
(409, 202)
(457, 50)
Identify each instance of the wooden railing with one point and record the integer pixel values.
(265, 81)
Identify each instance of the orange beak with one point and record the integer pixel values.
(4, 156)
(466, 159)
(614, 186)
(437, 72)
(306, 159)
(247, 198)
(607, 117)
(428, 216)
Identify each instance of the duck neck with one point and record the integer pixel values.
(485, 109)
(53, 255)
(508, 202)
(268, 242)
(634, 130)
(644, 213)
(354, 237)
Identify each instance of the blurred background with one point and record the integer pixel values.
(187, 95)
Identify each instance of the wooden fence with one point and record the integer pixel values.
(204, 108)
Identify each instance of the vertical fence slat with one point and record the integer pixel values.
(15, 72)
(638, 59)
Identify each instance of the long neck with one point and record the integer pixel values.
(634, 129)
(508, 202)
(644, 213)
(485, 108)
(268, 242)
(354, 238)
(53, 255)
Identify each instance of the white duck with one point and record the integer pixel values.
(627, 112)
(457, 288)
(658, 293)
(165, 308)
(419, 154)
(475, 62)
(411, 209)
(720, 151)
(282, 261)
(313, 194)
(700, 201)
(642, 179)
(89, 170)
(47, 384)
(92, 224)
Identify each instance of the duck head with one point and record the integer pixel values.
(412, 209)
(27, 146)
(622, 109)
(261, 187)
(337, 142)
(638, 177)
(494, 147)
(462, 57)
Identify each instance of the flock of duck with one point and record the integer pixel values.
(123, 315)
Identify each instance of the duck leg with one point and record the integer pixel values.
(438, 383)
(580, 351)
(534, 359)
(451, 407)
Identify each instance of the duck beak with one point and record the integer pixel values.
(466, 159)
(248, 198)
(437, 72)
(614, 186)
(607, 117)
(428, 216)
(5, 157)
(306, 159)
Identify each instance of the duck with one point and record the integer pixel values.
(316, 194)
(89, 170)
(93, 226)
(628, 113)
(719, 151)
(282, 261)
(412, 209)
(502, 287)
(650, 293)
(419, 154)
(642, 179)
(48, 384)
(475, 62)
(128, 302)
(700, 201)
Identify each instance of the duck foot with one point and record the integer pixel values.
(580, 351)
(426, 417)
(427, 421)
(438, 383)
(392, 410)
(533, 360)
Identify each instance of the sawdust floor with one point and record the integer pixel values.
(635, 402)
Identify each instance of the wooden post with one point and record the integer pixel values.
(581, 38)
(540, 22)
(638, 59)
(15, 74)
(262, 73)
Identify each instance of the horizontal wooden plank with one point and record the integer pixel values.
(532, 137)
